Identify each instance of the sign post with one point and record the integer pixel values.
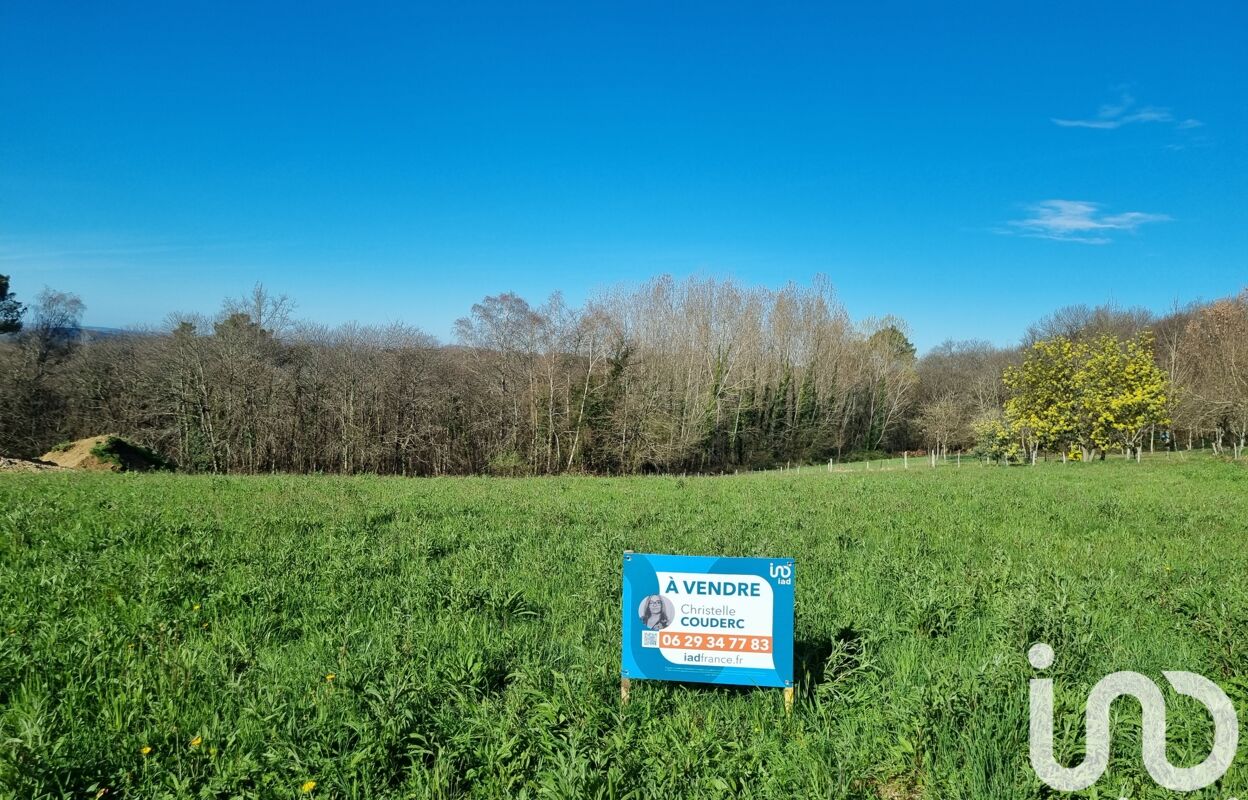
(705, 619)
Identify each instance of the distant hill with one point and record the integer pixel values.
(88, 332)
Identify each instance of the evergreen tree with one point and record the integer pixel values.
(10, 310)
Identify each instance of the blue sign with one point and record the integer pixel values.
(708, 620)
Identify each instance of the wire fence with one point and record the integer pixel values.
(955, 460)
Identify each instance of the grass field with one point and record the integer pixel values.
(460, 637)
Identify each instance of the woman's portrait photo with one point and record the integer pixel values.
(656, 612)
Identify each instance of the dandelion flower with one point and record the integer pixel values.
(197, 741)
(145, 750)
(307, 787)
(195, 607)
(330, 677)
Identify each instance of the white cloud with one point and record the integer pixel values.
(1125, 112)
(1078, 221)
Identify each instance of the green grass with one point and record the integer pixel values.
(472, 628)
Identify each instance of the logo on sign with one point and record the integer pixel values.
(1153, 709)
(782, 573)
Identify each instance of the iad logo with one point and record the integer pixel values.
(783, 573)
(1153, 705)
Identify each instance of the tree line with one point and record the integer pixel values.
(700, 375)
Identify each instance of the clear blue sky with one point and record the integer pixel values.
(969, 167)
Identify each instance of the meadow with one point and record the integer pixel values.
(197, 636)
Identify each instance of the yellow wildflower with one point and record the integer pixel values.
(197, 741)
(307, 787)
(195, 607)
(330, 677)
(145, 750)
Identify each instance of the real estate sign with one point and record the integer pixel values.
(708, 619)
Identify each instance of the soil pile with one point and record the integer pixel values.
(106, 453)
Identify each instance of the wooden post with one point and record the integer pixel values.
(788, 699)
(624, 683)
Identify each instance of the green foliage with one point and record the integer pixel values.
(106, 451)
(508, 463)
(11, 311)
(460, 637)
(126, 455)
(995, 439)
(867, 455)
(892, 340)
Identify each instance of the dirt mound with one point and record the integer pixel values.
(110, 453)
(25, 465)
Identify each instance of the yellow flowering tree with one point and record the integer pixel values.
(1092, 395)
(996, 439)
(1125, 390)
(1044, 401)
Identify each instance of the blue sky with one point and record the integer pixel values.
(969, 167)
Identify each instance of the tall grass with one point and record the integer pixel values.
(460, 637)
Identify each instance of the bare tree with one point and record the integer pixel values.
(1216, 349)
(692, 375)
